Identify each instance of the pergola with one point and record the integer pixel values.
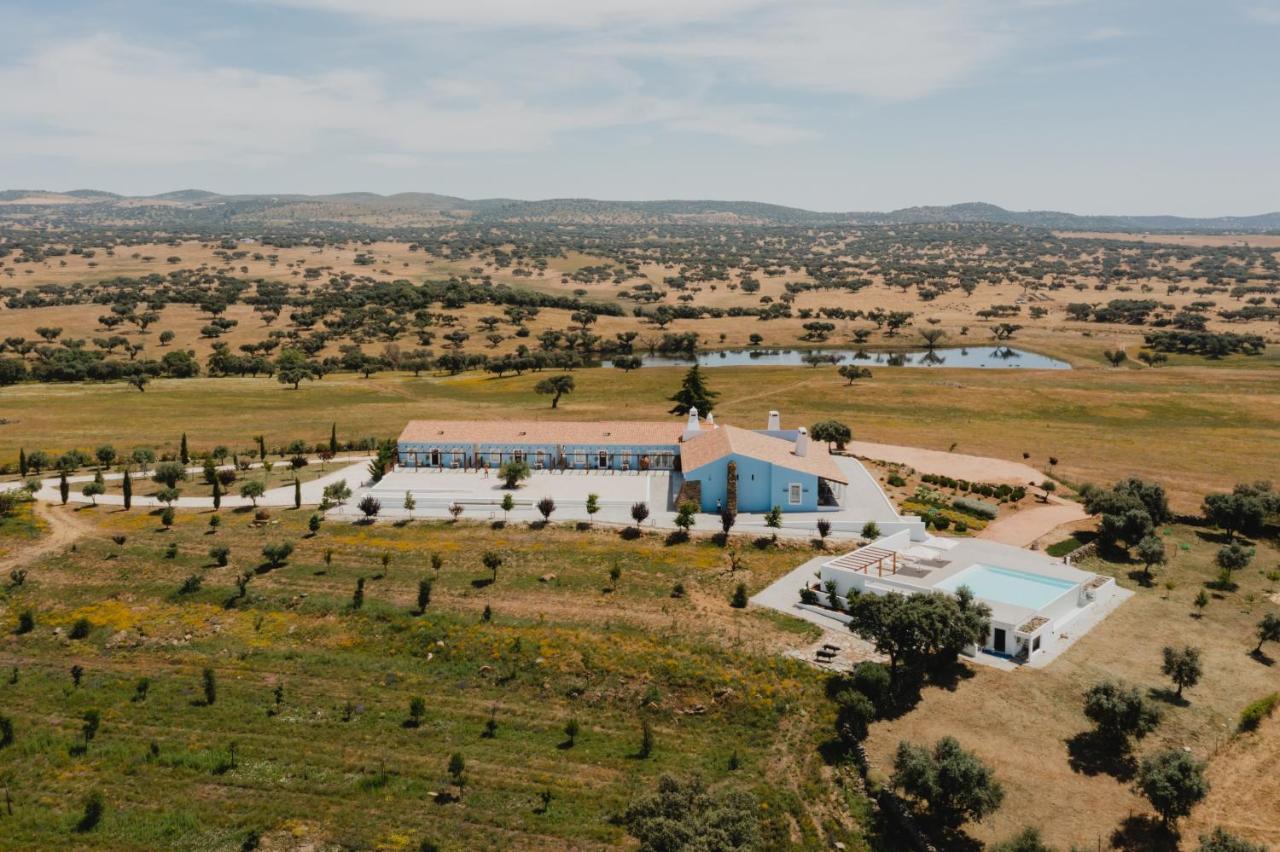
(862, 560)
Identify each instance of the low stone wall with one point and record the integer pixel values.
(1082, 552)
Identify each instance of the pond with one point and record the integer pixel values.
(991, 357)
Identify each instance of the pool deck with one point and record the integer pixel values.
(783, 594)
(947, 557)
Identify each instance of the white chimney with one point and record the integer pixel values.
(775, 422)
(692, 429)
(802, 441)
(711, 421)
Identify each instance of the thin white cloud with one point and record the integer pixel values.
(1266, 11)
(102, 100)
(875, 48)
(1105, 34)
(557, 14)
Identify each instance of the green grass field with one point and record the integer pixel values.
(1194, 428)
(333, 762)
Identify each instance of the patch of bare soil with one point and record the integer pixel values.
(64, 529)
(1244, 792)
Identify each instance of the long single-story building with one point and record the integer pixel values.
(770, 467)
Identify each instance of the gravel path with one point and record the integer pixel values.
(956, 465)
(1030, 525)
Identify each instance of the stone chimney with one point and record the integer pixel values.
(775, 422)
(692, 429)
(802, 442)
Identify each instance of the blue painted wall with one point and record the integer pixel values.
(761, 485)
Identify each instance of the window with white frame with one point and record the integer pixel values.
(793, 493)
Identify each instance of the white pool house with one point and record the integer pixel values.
(1033, 597)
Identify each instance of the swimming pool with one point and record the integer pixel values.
(1005, 585)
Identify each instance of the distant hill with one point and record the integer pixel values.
(194, 207)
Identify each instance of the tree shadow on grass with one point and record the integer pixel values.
(481, 582)
(1142, 578)
(950, 675)
(1143, 833)
(1261, 657)
(1216, 537)
(1168, 696)
(1091, 753)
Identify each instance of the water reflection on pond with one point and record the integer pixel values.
(992, 357)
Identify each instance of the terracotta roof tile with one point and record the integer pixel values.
(603, 433)
(717, 443)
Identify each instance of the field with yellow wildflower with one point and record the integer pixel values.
(276, 703)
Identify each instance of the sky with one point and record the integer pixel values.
(1088, 106)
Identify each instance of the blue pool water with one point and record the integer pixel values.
(1005, 585)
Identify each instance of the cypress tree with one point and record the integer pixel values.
(182, 450)
(262, 447)
(731, 488)
(297, 493)
(22, 461)
(693, 393)
(64, 487)
(333, 438)
(126, 487)
(217, 495)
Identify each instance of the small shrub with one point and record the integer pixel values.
(191, 585)
(896, 481)
(26, 622)
(209, 685)
(870, 530)
(220, 554)
(80, 629)
(977, 508)
(808, 596)
(739, 599)
(92, 815)
(276, 554)
(1253, 714)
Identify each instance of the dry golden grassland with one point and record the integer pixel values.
(1023, 722)
(1195, 429)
